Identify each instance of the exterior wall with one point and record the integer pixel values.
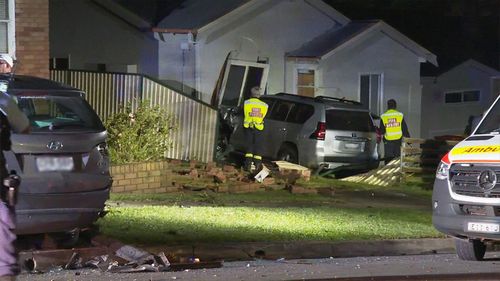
(32, 37)
(439, 118)
(338, 75)
(90, 35)
(269, 31)
(177, 61)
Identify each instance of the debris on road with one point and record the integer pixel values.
(125, 259)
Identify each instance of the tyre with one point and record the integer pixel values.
(288, 153)
(470, 250)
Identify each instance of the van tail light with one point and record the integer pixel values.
(443, 168)
(103, 148)
(320, 132)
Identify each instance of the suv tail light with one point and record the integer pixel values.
(320, 132)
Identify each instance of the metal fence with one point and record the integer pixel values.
(109, 93)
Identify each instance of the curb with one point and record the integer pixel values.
(308, 249)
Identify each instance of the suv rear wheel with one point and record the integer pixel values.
(470, 250)
(288, 153)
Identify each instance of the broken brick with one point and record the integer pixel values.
(194, 173)
(220, 177)
(229, 169)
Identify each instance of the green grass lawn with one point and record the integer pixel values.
(269, 216)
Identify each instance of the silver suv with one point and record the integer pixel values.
(320, 133)
(63, 161)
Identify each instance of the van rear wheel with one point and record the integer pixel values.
(288, 153)
(470, 250)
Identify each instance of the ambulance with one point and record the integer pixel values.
(466, 195)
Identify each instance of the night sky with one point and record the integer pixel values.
(454, 30)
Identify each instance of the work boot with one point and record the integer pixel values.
(258, 165)
(247, 166)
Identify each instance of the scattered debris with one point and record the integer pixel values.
(262, 174)
(126, 259)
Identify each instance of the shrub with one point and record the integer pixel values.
(139, 135)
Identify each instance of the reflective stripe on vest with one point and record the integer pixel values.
(255, 110)
(393, 123)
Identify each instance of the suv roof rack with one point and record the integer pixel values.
(293, 96)
(343, 100)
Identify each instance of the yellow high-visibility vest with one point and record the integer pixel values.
(393, 123)
(255, 110)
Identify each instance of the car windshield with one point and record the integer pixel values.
(56, 113)
(491, 122)
(345, 120)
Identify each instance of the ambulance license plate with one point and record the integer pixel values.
(483, 227)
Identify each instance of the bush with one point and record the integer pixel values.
(139, 135)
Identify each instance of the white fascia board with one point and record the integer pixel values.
(329, 11)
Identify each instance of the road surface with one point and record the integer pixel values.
(417, 267)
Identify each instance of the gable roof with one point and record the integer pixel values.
(193, 14)
(334, 40)
(474, 64)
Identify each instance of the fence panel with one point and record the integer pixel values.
(109, 93)
(423, 156)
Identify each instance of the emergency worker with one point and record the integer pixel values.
(11, 118)
(393, 128)
(255, 111)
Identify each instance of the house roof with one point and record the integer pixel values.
(330, 40)
(334, 40)
(471, 63)
(192, 15)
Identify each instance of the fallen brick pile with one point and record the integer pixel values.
(176, 175)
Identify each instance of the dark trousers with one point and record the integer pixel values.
(392, 149)
(8, 255)
(253, 149)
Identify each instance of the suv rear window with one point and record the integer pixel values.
(344, 120)
(56, 113)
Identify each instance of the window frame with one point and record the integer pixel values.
(380, 104)
(11, 19)
(461, 91)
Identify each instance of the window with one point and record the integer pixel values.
(300, 113)
(343, 120)
(7, 26)
(280, 110)
(370, 92)
(462, 96)
(453, 97)
(305, 82)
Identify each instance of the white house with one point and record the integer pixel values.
(451, 97)
(219, 49)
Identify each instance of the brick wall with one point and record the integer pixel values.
(152, 177)
(32, 37)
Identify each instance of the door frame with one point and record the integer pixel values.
(370, 97)
(247, 65)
